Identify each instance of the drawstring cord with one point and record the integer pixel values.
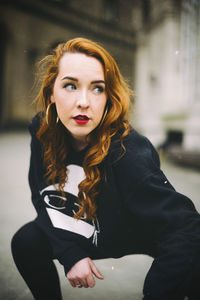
(96, 231)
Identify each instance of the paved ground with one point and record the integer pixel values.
(123, 277)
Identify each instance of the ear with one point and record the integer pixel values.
(52, 99)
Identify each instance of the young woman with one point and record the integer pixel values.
(97, 186)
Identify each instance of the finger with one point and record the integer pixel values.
(90, 281)
(72, 283)
(84, 283)
(78, 283)
(95, 271)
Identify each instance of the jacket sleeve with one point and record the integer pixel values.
(166, 219)
(66, 250)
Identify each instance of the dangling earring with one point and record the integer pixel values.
(104, 116)
(47, 114)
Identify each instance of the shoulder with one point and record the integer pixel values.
(34, 125)
(135, 144)
(139, 154)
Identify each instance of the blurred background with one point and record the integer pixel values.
(157, 47)
(156, 44)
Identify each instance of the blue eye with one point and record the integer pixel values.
(70, 86)
(99, 89)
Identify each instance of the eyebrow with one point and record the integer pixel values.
(98, 81)
(75, 79)
(70, 78)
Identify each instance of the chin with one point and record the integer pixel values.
(79, 134)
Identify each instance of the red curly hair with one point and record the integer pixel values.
(55, 152)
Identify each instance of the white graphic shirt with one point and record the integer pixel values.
(61, 210)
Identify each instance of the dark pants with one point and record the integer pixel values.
(33, 257)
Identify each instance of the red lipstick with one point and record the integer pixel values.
(81, 119)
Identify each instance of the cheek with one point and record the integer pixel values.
(62, 111)
(98, 108)
(101, 101)
(63, 104)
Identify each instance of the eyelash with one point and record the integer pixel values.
(100, 89)
(67, 85)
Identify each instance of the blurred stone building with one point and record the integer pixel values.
(167, 76)
(156, 44)
(31, 28)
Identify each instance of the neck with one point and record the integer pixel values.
(79, 144)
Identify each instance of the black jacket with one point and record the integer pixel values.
(138, 212)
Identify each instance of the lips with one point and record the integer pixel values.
(81, 119)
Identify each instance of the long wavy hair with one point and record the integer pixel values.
(56, 139)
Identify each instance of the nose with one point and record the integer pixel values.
(83, 100)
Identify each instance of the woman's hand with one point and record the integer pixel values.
(82, 273)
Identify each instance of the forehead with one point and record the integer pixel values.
(80, 64)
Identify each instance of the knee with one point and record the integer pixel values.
(30, 242)
(21, 241)
(14, 242)
(17, 243)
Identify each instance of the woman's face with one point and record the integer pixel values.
(79, 94)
